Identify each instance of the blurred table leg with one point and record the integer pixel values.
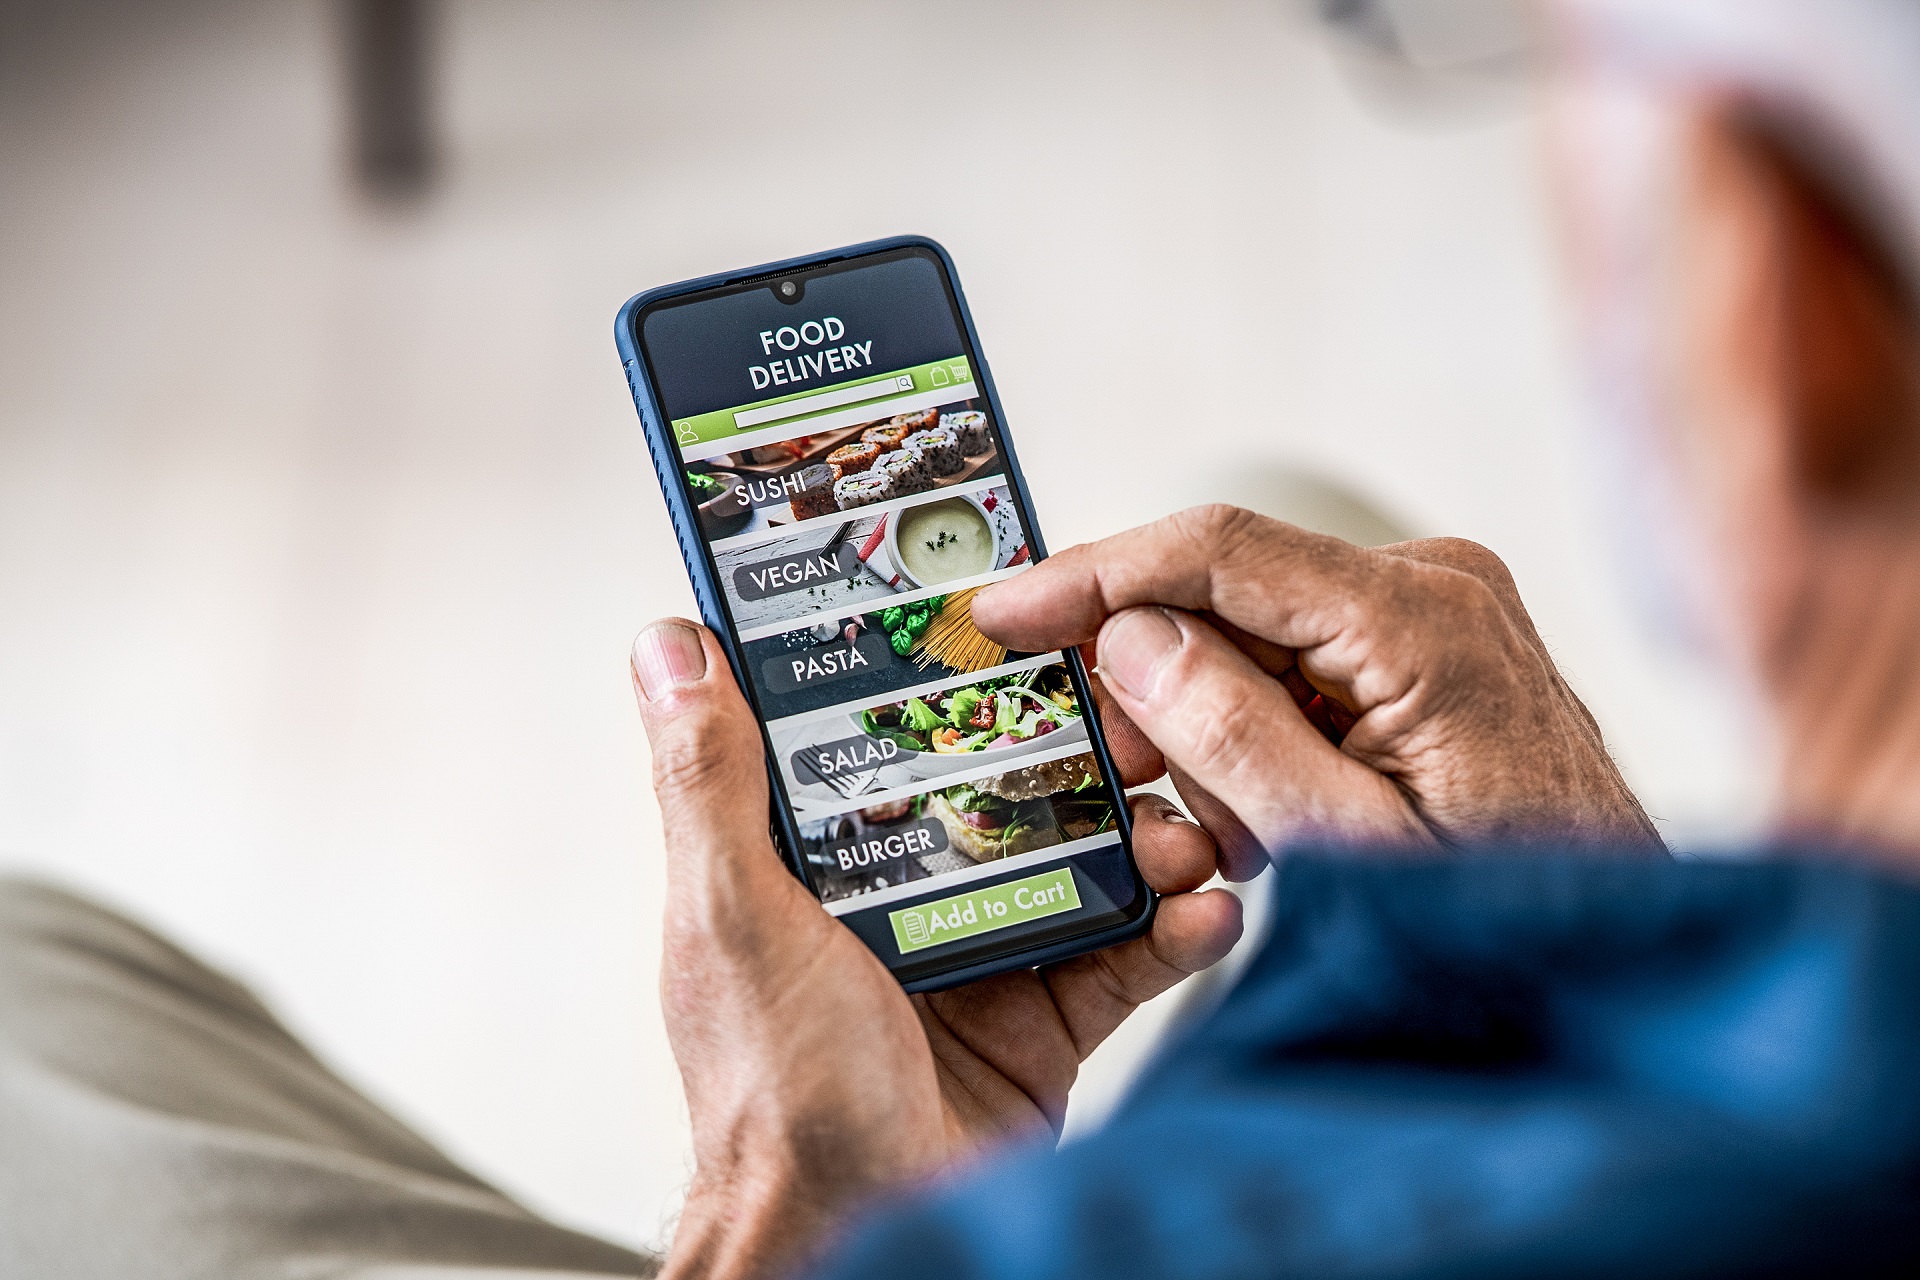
(391, 122)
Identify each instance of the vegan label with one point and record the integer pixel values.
(984, 910)
(781, 574)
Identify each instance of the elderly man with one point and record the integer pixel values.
(1488, 1033)
(1493, 1029)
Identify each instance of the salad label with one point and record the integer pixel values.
(881, 847)
(781, 574)
(984, 910)
(857, 754)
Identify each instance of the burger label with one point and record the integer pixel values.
(884, 846)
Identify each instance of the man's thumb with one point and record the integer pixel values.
(708, 770)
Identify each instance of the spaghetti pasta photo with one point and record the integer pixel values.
(952, 640)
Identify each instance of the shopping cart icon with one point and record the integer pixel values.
(915, 923)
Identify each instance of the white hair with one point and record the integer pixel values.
(1844, 75)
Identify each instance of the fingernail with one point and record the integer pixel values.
(1133, 647)
(666, 656)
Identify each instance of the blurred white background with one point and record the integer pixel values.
(324, 526)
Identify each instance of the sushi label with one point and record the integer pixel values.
(773, 491)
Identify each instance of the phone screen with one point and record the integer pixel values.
(853, 491)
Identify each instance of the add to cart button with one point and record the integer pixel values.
(984, 910)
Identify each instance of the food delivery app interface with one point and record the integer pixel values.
(852, 492)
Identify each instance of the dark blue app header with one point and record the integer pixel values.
(738, 348)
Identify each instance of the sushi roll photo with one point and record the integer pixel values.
(908, 471)
(852, 459)
(862, 490)
(970, 426)
(940, 450)
(924, 420)
(886, 437)
(814, 494)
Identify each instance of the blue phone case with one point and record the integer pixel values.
(706, 591)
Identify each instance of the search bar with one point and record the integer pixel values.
(824, 400)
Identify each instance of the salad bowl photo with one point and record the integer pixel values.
(984, 723)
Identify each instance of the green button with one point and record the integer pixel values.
(984, 910)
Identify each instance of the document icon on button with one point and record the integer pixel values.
(916, 926)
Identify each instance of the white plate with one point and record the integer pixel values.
(932, 764)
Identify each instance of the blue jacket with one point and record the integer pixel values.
(1514, 1064)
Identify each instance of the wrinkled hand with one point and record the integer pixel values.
(812, 1079)
(1303, 687)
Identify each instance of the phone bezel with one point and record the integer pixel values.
(694, 552)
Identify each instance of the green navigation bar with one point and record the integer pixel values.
(811, 404)
(984, 910)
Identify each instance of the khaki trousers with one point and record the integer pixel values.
(158, 1123)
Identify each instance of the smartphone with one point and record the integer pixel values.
(841, 482)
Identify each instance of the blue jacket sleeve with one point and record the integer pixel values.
(1514, 1064)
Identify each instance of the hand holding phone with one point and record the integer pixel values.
(841, 483)
(828, 441)
(813, 1080)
